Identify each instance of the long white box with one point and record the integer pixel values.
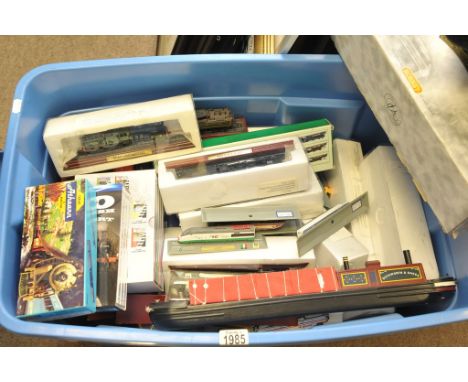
(147, 227)
(345, 185)
(315, 136)
(98, 140)
(331, 251)
(417, 88)
(282, 250)
(396, 216)
(208, 188)
(309, 203)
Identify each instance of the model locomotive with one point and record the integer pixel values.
(127, 142)
(219, 122)
(121, 137)
(231, 160)
(214, 118)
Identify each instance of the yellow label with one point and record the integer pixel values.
(218, 248)
(40, 195)
(61, 203)
(412, 80)
(80, 196)
(135, 154)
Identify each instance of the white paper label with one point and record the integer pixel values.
(356, 205)
(17, 103)
(284, 214)
(234, 337)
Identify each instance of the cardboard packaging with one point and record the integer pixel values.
(281, 250)
(417, 88)
(147, 227)
(224, 176)
(136, 309)
(396, 216)
(114, 207)
(315, 137)
(341, 244)
(345, 184)
(309, 203)
(58, 252)
(93, 141)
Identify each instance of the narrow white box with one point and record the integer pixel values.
(309, 203)
(396, 216)
(331, 251)
(282, 250)
(345, 185)
(231, 175)
(98, 140)
(147, 227)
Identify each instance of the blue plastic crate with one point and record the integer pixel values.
(267, 90)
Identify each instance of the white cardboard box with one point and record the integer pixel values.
(309, 203)
(282, 250)
(417, 87)
(113, 227)
(187, 194)
(107, 137)
(315, 139)
(147, 227)
(346, 185)
(331, 251)
(396, 216)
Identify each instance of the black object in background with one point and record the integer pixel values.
(459, 44)
(313, 45)
(460, 41)
(210, 44)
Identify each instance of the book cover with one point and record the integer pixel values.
(58, 251)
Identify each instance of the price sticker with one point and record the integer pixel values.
(234, 337)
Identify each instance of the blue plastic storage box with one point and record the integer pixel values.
(267, 90)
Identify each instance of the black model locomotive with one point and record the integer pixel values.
(121, 137)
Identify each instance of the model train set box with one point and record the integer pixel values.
(118, 136)
(224, 202)
(224, 176)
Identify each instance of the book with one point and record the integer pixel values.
(58, 252)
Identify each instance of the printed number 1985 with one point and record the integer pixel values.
(235, 337)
